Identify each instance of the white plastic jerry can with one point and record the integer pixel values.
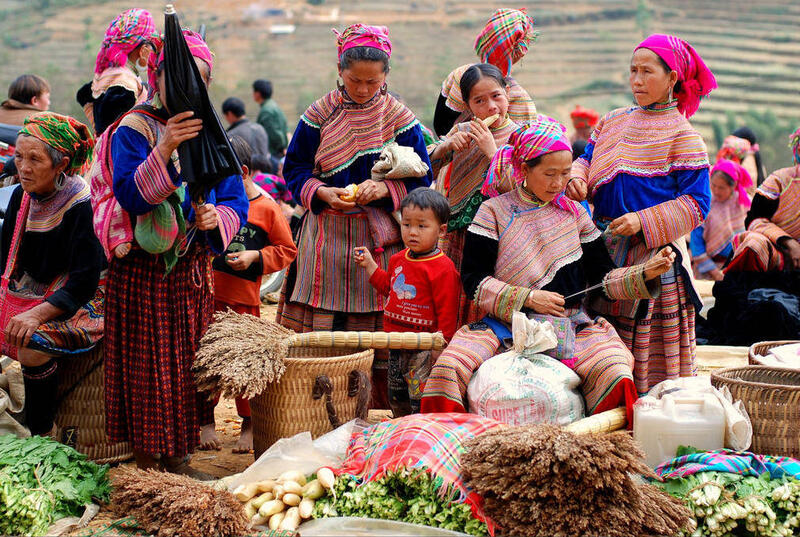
(682, 419)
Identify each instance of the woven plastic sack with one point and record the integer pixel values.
(398, 162)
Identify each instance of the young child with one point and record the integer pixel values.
(263, 245)
(421, 287)
(469, 148)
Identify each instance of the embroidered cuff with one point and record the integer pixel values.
(499, 298)
(309, 192)
(229, 224)
(628, 283)
(770, 230)
(669, 221)
(397, 191)
(153, 179)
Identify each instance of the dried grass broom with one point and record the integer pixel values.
(240, 355)
(544, 481)
(168, 505)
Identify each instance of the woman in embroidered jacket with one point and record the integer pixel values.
(712, 241)
(646, 171)
(534, 250)
(773, 222)
(336, 143)
(160, 298)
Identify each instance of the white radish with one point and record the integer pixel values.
(250, 510)
(291, 520)
(270, 508)
(293, 475)
(292, 487)
(266, 486)
(258, 501)
(313, 490)
(326, 478)
(278, 492)
(305, 508)
(245, 492)
(258, 520)
(291, 499)
(275, 520)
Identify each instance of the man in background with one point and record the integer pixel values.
(271, 117)
(253, 133)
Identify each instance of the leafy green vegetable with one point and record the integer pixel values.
(41, 481)
(411, 496)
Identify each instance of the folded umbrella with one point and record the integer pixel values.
(208, 158)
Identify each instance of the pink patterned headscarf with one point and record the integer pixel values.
(740, 177)
(197, 47)
(794, 143)
(130, 29)
(505, 38)
(361, 35)
(545, 135)
(735, 149)
(697, 80)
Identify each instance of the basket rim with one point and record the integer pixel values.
(772, 344)
(722, 376)
(339, 357)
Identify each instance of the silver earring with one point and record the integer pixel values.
(670, 94)
(384, 88)
(340, 84)
(60, 181)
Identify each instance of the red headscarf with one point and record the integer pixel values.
(584, 117)
(361, 35)
(696, 79)
(741, 178)
(127, 31)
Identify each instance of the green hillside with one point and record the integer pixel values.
(580, 57)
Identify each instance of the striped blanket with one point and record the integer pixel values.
(726, 460)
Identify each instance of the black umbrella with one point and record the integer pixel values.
(208, 158)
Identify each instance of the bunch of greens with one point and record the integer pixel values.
(405, 495)
(726, 504)
(42, 481)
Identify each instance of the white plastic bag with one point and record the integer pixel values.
(531, 336)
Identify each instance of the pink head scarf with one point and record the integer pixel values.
(505, 38)
(197, 47)
(794, 143)
(544, 135)
(361, 35)
(130, 29)
(741, 178)
(697, 80)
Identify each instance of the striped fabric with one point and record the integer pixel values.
(328, 277)
(46, 214)
(521, 108)
(645, 142)
(127, 31)
(663, 340)
(505, 38)
(152, 179)
(627, 283)
(453, 247)
(348, 130)
(729, 461)
(227, 223)
(725, 220)
(667, 222)
(64, 134)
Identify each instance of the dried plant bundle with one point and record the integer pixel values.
(168, 505)
(240, 355)
(544, 481)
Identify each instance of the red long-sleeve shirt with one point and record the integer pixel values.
(422, 294)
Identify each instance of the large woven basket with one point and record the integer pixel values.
(326, 383)
(771, 396)
(757, 350)
(81, 416)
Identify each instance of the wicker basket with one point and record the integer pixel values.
(757, 350)
(771, 396)
(81, 416)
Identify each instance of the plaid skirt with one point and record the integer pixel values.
(154, 322)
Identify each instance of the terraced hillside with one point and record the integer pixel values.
(580, 57)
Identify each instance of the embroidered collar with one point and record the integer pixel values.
(430, 253)
(350, 104)
(661, 107)
(529, 197)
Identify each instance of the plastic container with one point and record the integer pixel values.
(681, 419)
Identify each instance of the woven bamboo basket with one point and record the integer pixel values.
(757, 350)
(81, 415)
(326, 382)
(771, 396)
(604, 422)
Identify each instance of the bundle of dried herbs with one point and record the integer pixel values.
(240, 355)
(542, 480)
(167, 504)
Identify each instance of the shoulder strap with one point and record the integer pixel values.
(19, 229)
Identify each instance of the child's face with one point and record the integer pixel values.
(420, 229)
(488, 98)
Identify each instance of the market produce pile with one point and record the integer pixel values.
(168, 504)
(240, 355)
(726, 503)
(404, 495)
(42, 481)
(542, 480)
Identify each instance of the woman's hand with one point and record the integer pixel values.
(576, 189)
(482, 136)
(21, 327)
(546, 302)
(330, 195)
(627, 225)
(242, 260)
(364, 260)
(370, 190)
(792, 247)
(659, 264)
(206, 217)
(458, 141)
(179, 129)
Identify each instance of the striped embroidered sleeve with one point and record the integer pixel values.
(628, 283)
(153, 180)
(228, 223)
(500, 299)
(397, 191)
(769, 229)
(309, 190)
(669, 221)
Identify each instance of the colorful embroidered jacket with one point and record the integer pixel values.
(774, 212)
(712, 241)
